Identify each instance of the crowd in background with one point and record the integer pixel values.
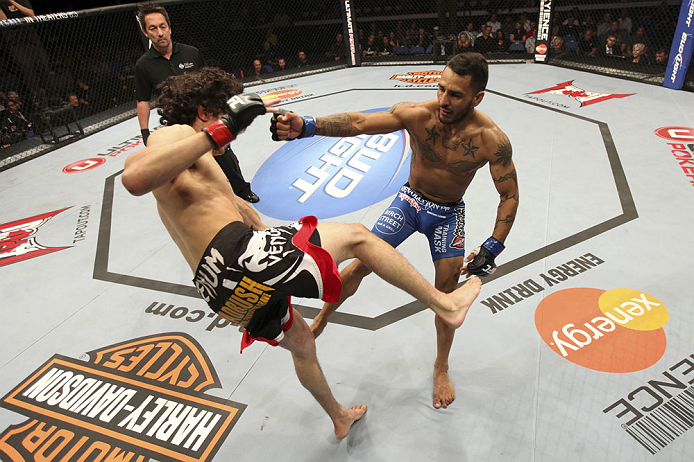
(95, 80)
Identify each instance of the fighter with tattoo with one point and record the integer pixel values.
(450, 140)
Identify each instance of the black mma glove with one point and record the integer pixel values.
(483, 263)
(241, 110)
(308, 130)
(145, 135)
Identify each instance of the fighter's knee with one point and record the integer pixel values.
(359, 231)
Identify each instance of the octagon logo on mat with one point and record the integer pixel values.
(584, 97)
(18, 239)
(134, 401)
(328, 177)
(617, 330)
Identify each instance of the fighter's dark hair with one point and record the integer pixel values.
(472, 64)
(180, 95)
(149, 8)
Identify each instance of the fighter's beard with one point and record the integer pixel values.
(463, 114)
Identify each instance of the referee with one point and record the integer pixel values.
(164, 59)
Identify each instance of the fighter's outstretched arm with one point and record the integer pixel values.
(289, 125)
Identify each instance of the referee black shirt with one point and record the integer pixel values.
(152, 68)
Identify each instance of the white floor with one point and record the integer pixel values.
(97, 294)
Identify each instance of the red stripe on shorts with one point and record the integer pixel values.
(332, 284)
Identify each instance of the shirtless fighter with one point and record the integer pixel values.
(450, 141)
(244, 270)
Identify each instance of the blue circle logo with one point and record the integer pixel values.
(391, 221)
(328, 177)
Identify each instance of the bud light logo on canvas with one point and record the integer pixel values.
(329, 177)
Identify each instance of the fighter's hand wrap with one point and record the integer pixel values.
(307, 130)
(483, 263)
(241, 110)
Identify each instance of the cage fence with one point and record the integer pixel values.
(68, 74)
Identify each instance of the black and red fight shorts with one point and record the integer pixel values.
(249, 276)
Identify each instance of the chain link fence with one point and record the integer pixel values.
(65, 75)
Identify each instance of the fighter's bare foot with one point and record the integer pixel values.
(343, 425)
(462, 299)
(444, 393)
(318, 324)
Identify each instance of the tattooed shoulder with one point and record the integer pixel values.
(395, 106)
(503, 152)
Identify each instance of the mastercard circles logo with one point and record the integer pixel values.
(541, 48)
(617, 330)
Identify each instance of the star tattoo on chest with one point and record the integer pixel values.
(469, 148)
(432, 135)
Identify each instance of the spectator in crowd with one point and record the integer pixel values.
(532, 32)
(557, 46)
(338, 50)
(387, 49)
(267, 56)
(164, 59)
(370, 48)
(485, 43)
(400, 33)
(258, 68)
(605, 25)
(517, 35)
(435, 35)
(81, 110)
(570, 26)
(15, 126)
(393, 40)
(302, 60)
(24, 46)
(494, 23)
(638, 37)
(625, 23)
(83, 90)
(423, 39)
(661, 57)
(3, 101)
(464, 43)
(638, 54)
(525, 22)
(124, 89)
(530, 38)
(619, 36)
(611, 47)
(14, 96)
(588, 45)
(281, 64)
(470, 32)
(501, 43)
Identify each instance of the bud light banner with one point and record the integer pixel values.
(682, 46)
(329, 177)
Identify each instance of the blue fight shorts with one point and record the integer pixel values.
(442, 224)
